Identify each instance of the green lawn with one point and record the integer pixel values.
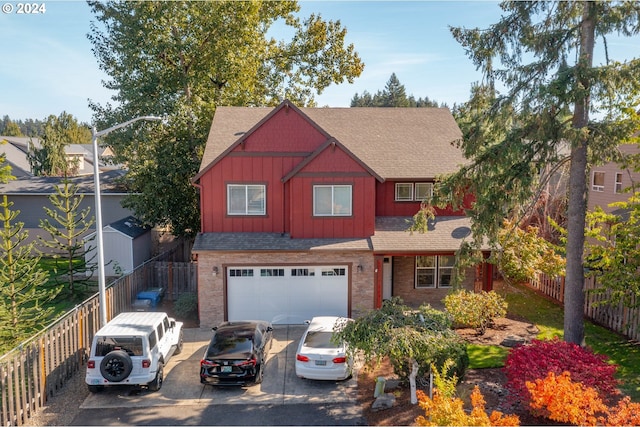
(548, 317)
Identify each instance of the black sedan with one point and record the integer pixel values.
(237, 353)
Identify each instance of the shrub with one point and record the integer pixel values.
(560, 399)
(534, 361)
(475, 309)
(186, 305)
(566, 401)
(449, 411)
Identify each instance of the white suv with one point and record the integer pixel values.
(132, 349)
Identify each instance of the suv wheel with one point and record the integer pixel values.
(116, 366)
(180, 343)
(156, 384)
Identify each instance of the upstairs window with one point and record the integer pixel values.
(404, 191)
(413, 192)
(618, 187)
(597, 181)
(331, 200)
(246, 199)
(424, 191)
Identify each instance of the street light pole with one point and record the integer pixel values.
(102, 297)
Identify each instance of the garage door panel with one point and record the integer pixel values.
(287, 299)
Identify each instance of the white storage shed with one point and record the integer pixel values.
(127, 244)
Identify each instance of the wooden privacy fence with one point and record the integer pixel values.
(40, 366)
(616, 317)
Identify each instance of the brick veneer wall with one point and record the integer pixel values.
(403, 284)
(211, 297)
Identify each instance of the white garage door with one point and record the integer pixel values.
(287, 295)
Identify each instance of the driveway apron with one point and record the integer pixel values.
(182, 385)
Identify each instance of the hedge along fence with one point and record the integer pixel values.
(40, 366)
(616, 317)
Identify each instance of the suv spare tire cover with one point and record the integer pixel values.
(116, 366)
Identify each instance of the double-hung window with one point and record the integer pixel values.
(618, 186)
(434, 271)
(410, 192)
(332, 200)
(597, 181)
(246, 199)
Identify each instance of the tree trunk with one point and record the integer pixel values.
(574, 283)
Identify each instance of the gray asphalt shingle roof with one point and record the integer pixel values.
(445, 234)
(396, 143)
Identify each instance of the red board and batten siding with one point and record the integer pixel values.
(265, 157)
(386, 204)
(359, 225)
(332, 166)
(285, 132)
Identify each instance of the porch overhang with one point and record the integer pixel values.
(444, 235)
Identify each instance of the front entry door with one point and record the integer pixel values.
(387, 278)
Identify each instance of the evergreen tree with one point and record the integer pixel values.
(393, 95)
(24, 302)
(9, 127)
(67, 227)
(546, 50)
(5, 169)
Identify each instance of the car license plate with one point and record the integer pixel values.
(226, 369)
(321, 363)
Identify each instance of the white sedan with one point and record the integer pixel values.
(318, 358)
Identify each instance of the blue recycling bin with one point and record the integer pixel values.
(154, 295)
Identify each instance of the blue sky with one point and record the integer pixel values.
(48, 66)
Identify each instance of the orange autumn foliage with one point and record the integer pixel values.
(560, 399)
(444, 411)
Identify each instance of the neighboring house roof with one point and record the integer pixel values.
(130, 227)
(44, 184)
(395, 143)
(17, 147)
(445, 234)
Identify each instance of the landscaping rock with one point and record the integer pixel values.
(513, 341)
(392, 384)
(386, 401)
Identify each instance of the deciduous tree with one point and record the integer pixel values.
(181, 59)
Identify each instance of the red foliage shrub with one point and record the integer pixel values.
(534, 361)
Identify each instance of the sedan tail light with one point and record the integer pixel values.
(205, 362)
(302, 358)
(252, 362)
(339, 359)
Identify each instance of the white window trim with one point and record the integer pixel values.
(413, 197)
(617, 186)
(404, 199)
(333, 212)
(430, 192)
(438, 269)
(594, 187)
(246, 201)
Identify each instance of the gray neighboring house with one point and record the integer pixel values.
(29, 193)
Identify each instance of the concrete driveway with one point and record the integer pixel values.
(182, 384)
